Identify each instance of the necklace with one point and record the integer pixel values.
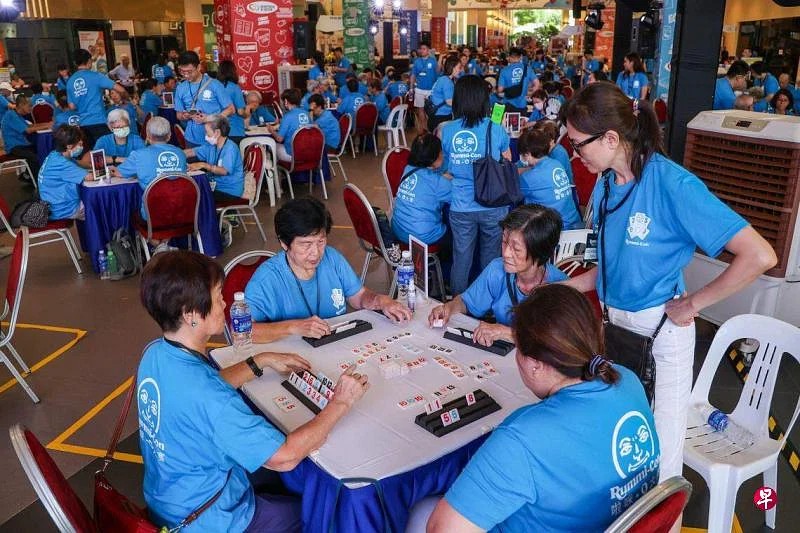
(542, 272)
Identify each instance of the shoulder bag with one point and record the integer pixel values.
(632, 350)
(516, 90)
(496, 182)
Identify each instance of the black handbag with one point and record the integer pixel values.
(516, 90)
(627, 348)
(496, 182)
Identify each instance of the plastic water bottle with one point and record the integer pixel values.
(722, 424)
(405, 276)
(101, 259)
(111, 260)
(411, 297)
(241, 322)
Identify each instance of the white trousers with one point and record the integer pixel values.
(673, 352)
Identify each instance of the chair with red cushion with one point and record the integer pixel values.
(54, 231)
(14, 284)
(660, 107)
(171, 202)
(237, 275)
(396, 101)
(143, 128)
(255, 161)
(392, 166)
(585, 180)
(179, 136)
(567, 91)
(336, 156)
(566, 82)
(365, 123)
(564, 141)
(575, 266)
(308, 149)
(657, 510)
(42, 113)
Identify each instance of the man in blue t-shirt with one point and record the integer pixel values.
(294, 118)
(342, 67)
(590, 65)
(734, 80)
(766, 81)
(197, 97)
(514, 82)
(85, 90)
(424, 72)
(15, 135)
(308, 281)
(325, 120)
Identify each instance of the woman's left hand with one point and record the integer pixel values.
(283, 363)
(681, 311)
(485, 334)
(198, 165)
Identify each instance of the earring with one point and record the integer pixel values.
(194, 324)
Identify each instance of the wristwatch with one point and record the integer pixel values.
(254, 367)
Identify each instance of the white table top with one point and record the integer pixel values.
(378, 439)
(257, 130)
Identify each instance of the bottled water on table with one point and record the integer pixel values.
(720, 422)
(101, 259)
(405, 277)
(241, 322)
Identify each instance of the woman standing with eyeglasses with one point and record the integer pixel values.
(655, 214)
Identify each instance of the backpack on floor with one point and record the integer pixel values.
(129, 257)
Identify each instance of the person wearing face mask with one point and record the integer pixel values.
(118, 144)
(15, 130)
(530, 236)
(220, 157)
(308, 281)
(538, 98)
(61, 175)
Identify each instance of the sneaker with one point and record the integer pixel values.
(163, 247)
(233, 220)
(395, 255)
(227, 233)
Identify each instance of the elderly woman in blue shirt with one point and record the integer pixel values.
(60, 175)
(221, 159)
(530, 236)
(118, 144)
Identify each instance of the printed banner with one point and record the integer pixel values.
(257, 36)
(482, 37)
(472, 35)
(664, 57)
(357, 39)
(409, 41)
(604, 39)
(439, 33)
(94, 42)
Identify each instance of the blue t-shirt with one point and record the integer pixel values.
(292, 121)
(350, 104)
(212, 100)
(13, 127)
(236, 120)
(548, 184)
(512, 75)
(473, 68)
(418, 205)
(106, 142)
(652, 237)
(330, 128)
(340, 78)
(385, 82)
(150, 102)
(490, 292)
(150, 162)
(344, 91)
(85, 91)
(461, 147)
(191, 438)
(632, 85)
(315, 72)
(771, 86)
(273, 293)
(724, 97)
(304, 102)
(442, 91)
(572, 462)
(592, 65)
(560, 154)
(61, 83)
(537, 66)
(425, 71)
(59, 179)
(382, 104)
(228, 157)
(397, 88)
(263, 113)
(68, 116)
(42, 98)
(162, 72)
(3, 106)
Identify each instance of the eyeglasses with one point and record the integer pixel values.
(576, 147)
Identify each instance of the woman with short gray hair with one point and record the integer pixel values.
(219, 156)
(118, 144)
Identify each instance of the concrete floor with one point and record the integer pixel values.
(117, 329)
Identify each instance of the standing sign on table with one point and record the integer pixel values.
(257, 36)
(356, 39)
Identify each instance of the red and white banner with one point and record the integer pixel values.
(439, 34)
(257, 36)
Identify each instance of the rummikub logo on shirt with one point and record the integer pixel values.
(638, 228)
(74, 120)
(149, 398)
(561, 182)
(402, 88)
(302, 119)
(406, 191)
(208, 95)
(357, 102)
(79, 87)
(337, 297)
(465, 148)
(633, 449)
(516, 75)
(168, 162)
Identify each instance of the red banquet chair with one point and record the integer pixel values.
(42, 113)
(392, 166)
(585, 181)
(54, 231)
(657, 510)
(143, 128)
(660, 107)
(365, 123)
(254, 161)
(564, 141)
(171, 202)
(179, 136)
(567, 91)
(308, 149)
(237, 275)
(336, 156)
(396, 101)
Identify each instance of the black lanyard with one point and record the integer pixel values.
(191, 94)
(604, 212)
(181, 346)
(218, 154)
(116, 148)
(300, 289)
(512, 289)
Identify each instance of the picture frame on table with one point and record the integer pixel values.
(419, 257)
(99, 166)
(512, 122)
(168, 99)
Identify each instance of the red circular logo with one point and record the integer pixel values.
(765, 498)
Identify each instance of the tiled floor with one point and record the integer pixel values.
(117, 329)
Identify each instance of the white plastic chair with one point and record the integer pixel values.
(394, 127)
(725, 464)
(244, 207)
(270, 165)
(19, 166)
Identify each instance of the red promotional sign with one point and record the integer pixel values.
(257, 36)
(439, 33)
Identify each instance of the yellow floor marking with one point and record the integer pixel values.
(59, 442)
(735, 528)
(79, 334)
